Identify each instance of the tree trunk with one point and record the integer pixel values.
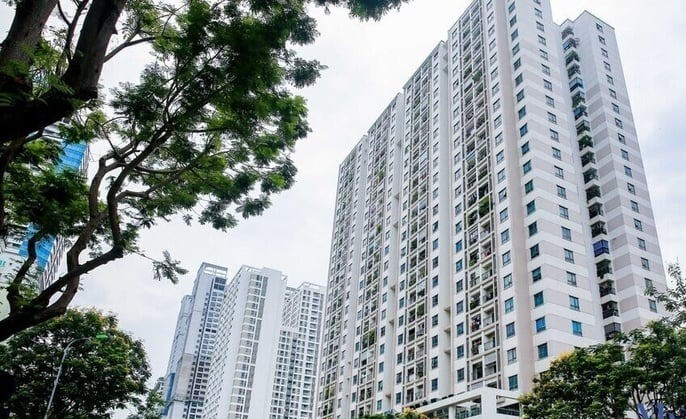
(82, 76)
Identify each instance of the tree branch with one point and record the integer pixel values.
(127, 44)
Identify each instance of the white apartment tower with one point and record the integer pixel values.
(265, 358)
(194, 339)
(494, 216)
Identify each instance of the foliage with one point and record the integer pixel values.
(674, 298)
(604, 381)
(151, 408)
(206, 133)
(407, 413)
(97, 376)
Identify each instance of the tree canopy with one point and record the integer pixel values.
(645, 367)
(97, 376)
(405, 414)
(206, 133)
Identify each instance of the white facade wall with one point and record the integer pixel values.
(475, 238)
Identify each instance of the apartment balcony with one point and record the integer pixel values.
(597, 228)
(603, 268)
(595, 210)
(572, 70)
(610, 309)
(585, 142)
(569, 43)
(601, 247)
(607, 288)
(587, 158)
(567, 32)
(571, 57)
(583, 128)
(578, 98)
(576, 83)
(593, 192)
(612, 330)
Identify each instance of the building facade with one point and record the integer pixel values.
(494, 216)
(194, 340)
(265, 359)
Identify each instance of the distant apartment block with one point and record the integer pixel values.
(262, 360)
(495, 215)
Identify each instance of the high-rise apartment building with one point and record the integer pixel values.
(194, 340)
(265, 358)
(495, 215)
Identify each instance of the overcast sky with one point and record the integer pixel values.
(367, 65)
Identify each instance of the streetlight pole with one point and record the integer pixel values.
(59, 370)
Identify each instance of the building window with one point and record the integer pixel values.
(434, 341)
(538, 13)
(557, 154)
(507, 281)
(460, 376)
(536, 274)
(533, 228)
(503, 215)
(628, 171)
(545, 69)
(625, 154)
(540, 324)
(574, 303)
(506, 258)
(499, 157)
(638, 225)
(434, 385)
(613, 95)
(515, 49)
(523, 130)
(615, 107)
(619, 123)
(653, 306)
(564, 212)
(502, 195)
(541, 40)
(634, 206)
(569, 256)
(518, 80)
(641, 243)
(571, 278)
(513, 20)
(548, 85)
(512, 382)
(604, 53)
(511, 356)
(509, 305)
(561, 192)
(538, 299)
(540, 26)
(520, 95)
(521, 113)
(607, 66)
(610, 80)
(552, 118)
(505, 236)
(501, 175)
(549, 101)
(526, 167)
(542, 351)
(631, 188)
(529, 186)
(525, 148)
(534, 251)
(559, 172)
(514, 34)
(554, 135)
(530, 207)
(566, 233)
(510, 330)
(576, 328)
(645, 264)
(601, 39)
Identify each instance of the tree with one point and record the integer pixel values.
(205, 134)
(407, 413)
(151, 408)
(97, 376)
(674, 298)
(645, 367)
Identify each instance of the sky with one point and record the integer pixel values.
(368, 63)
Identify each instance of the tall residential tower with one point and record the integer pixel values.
(495, 215)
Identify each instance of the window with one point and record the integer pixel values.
(601, 39)
(619, 123)
(512, 356)
(604, 53)
(511, 7)
(538, 299)
(434, 385)
(548, 85)
(521, 113)
(505, 236)
(520, 95)
(533, 228)
(645, 264)
(559, 172)
(506, 258)
(561, 192)
(625, 155)
(434, 341)
(459, 352)
(545, 69)
(507, 281)
(621, 139)
(631, 188)
(536, 274)
(515, 49)
(554, 135)
(634, 206)
(529, 186)
(518, 80)
(513, 20)
(564, 212)
(638, 225)
(641, 243)
(500, 157)
(541, 40)
(571, 278)
(615, 107)
(549, 101)
(501, 175)
(540, 26)
(613, 95)
(607, 66)
(458, 246)
(557, 154)
(569, 256)
(503, 215)
(574, 303)
(512, 382)
(628, 171)
(502, 195)
(534, 251)
(566, 233)
(542, 351)
(538, 13)
(509, 305)
(495, 89)
(648, 283)
(576, 328)
(514, 34)
(525, 148)
(526, 167)
(652, 305)
(460, 376)
(610, 80)
(552, 118)
(496, 105)
(531, 207)
(599, 27)
(540, 324)
(498, 121)
(510, 330)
